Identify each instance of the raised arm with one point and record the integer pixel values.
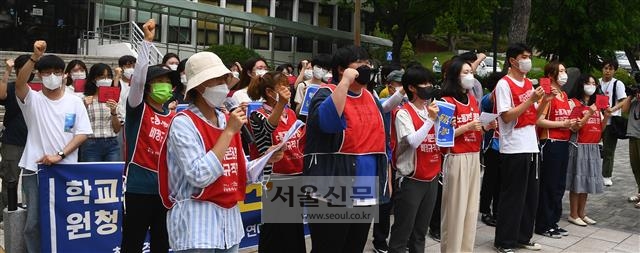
(339, 95)
(22, 89)
(5, 79)
(139, 77)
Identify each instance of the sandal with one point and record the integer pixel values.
(635, 198)
(637, 205)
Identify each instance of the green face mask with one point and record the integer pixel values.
(161, 92)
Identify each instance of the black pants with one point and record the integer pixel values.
(282, 237)
(553, 180)
(434, 224)
(518, 199)
(413, 205)
(142, 213)
(339, 237)
(490, 190)
(381, 228)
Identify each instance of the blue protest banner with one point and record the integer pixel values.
(308, 95)
(81, 208)
(444, 128)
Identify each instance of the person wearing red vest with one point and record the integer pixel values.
(202, 167)
(417, 160)
(554, 127)
(584, 169)
(345, 138)
(515, 102)
(146, 127)
(268, 124)
(461, 186)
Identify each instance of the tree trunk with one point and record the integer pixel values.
(398, 38)
(520, 12)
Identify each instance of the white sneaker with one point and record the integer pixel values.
(607, 181)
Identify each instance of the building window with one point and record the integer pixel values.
(325, 16)
(207, 33)
(344, 19)
(282, 42)
(325, 47)
(284, 9)
(179, 30)
(260, 41)
(304, 45)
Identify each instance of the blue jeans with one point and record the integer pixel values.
(233, 249)
(100, 150)
(32, 225)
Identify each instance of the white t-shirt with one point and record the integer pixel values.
(124, 93)
(242, 96)
(513, 140)
(607, 88)
(71, 90)
(47, 124)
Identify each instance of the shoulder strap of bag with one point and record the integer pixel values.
(614, 96)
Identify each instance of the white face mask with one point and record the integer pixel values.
(308, 74)
(524, 65)
(104, 82)
(183, 79)
(261, 72)
(52, 81)
(128, 73)
(467, 81)
(236, 74)
(318, 72)
(589, 89)
(562, 78)
(173, 67)
(327, 77)
(214, 96)
(79, 75)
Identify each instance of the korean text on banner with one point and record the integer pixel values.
(444, 127)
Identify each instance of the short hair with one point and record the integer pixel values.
(169, 56)
(469, 57)
(611, 62)
(516, 49)
(415, 75)
(322, 61)
(126, 59)
(20, 61)
(492, 80)
(387, 69)
(345, 56)
(50, 62)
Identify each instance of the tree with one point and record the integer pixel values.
(463, 16)
(520, 13)
(231, 53)
(580, 32)
(407, 54)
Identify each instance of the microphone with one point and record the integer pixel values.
(232, 104)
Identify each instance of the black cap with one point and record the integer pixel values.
(156, 71)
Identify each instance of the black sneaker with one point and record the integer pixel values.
(552, 233)
(379, 250)
(504, 250)
(488, 220)
(562, 232)
(434, 235)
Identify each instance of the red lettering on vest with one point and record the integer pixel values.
(591, 132)
(229, 188)
(427, 159)
(469, 141)
(365, 128)
(520, 95)
(152, 132)
(291, 162)
(559, 110)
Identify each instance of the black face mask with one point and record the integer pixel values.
(425, 93)
(364, 75)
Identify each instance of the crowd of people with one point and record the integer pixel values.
(186, 170)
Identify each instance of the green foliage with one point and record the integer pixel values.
(579, 31)
(233, 53)
(407, 54)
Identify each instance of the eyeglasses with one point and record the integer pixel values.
(46, 74)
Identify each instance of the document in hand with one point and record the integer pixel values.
(444, 127)
(256, 166)
(306, 101)
(107, 93)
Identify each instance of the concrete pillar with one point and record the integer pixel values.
(194, 30)
(294, 39)
(247, 32)
(316, 14)
(223, 4)
(164, 28)
(272, 13)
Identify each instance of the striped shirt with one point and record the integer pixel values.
(193, 224)
(100, 117)
(262, 131)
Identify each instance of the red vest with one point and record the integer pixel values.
(365, 129)
(591, 132)
(559, 110)
(229, 188)
(153, 130)
(291, 162)
(469, 141)
(427, 160)
(520, 95)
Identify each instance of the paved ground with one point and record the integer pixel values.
(618, 228)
